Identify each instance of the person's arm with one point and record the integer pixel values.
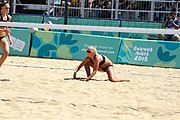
(164, 23)
(79, 67)
(8, 33)
(95, 69)
(174, 24)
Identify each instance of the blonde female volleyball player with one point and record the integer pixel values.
(4, 31)
(98, 63)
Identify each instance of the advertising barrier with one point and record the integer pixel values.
(150, 53)
(21, 42)
(72, 46)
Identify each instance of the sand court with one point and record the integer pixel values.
(43, 89)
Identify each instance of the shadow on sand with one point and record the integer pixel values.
(4, 79)
(82, 79)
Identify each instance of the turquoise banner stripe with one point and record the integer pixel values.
(150, 53)
(21, 42)
(72, 46)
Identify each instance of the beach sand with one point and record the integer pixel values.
(43, 89)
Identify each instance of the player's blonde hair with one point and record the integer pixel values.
(93, 48)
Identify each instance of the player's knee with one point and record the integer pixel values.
(112, 80)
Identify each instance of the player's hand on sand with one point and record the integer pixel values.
(74, 75)
(87, 79)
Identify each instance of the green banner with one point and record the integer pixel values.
(151, 53)
(21, 42)
(72, 46)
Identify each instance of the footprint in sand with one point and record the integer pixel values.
(5, 79)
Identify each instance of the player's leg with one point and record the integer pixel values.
(88, 70)
(111, 77)
(5, 48)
